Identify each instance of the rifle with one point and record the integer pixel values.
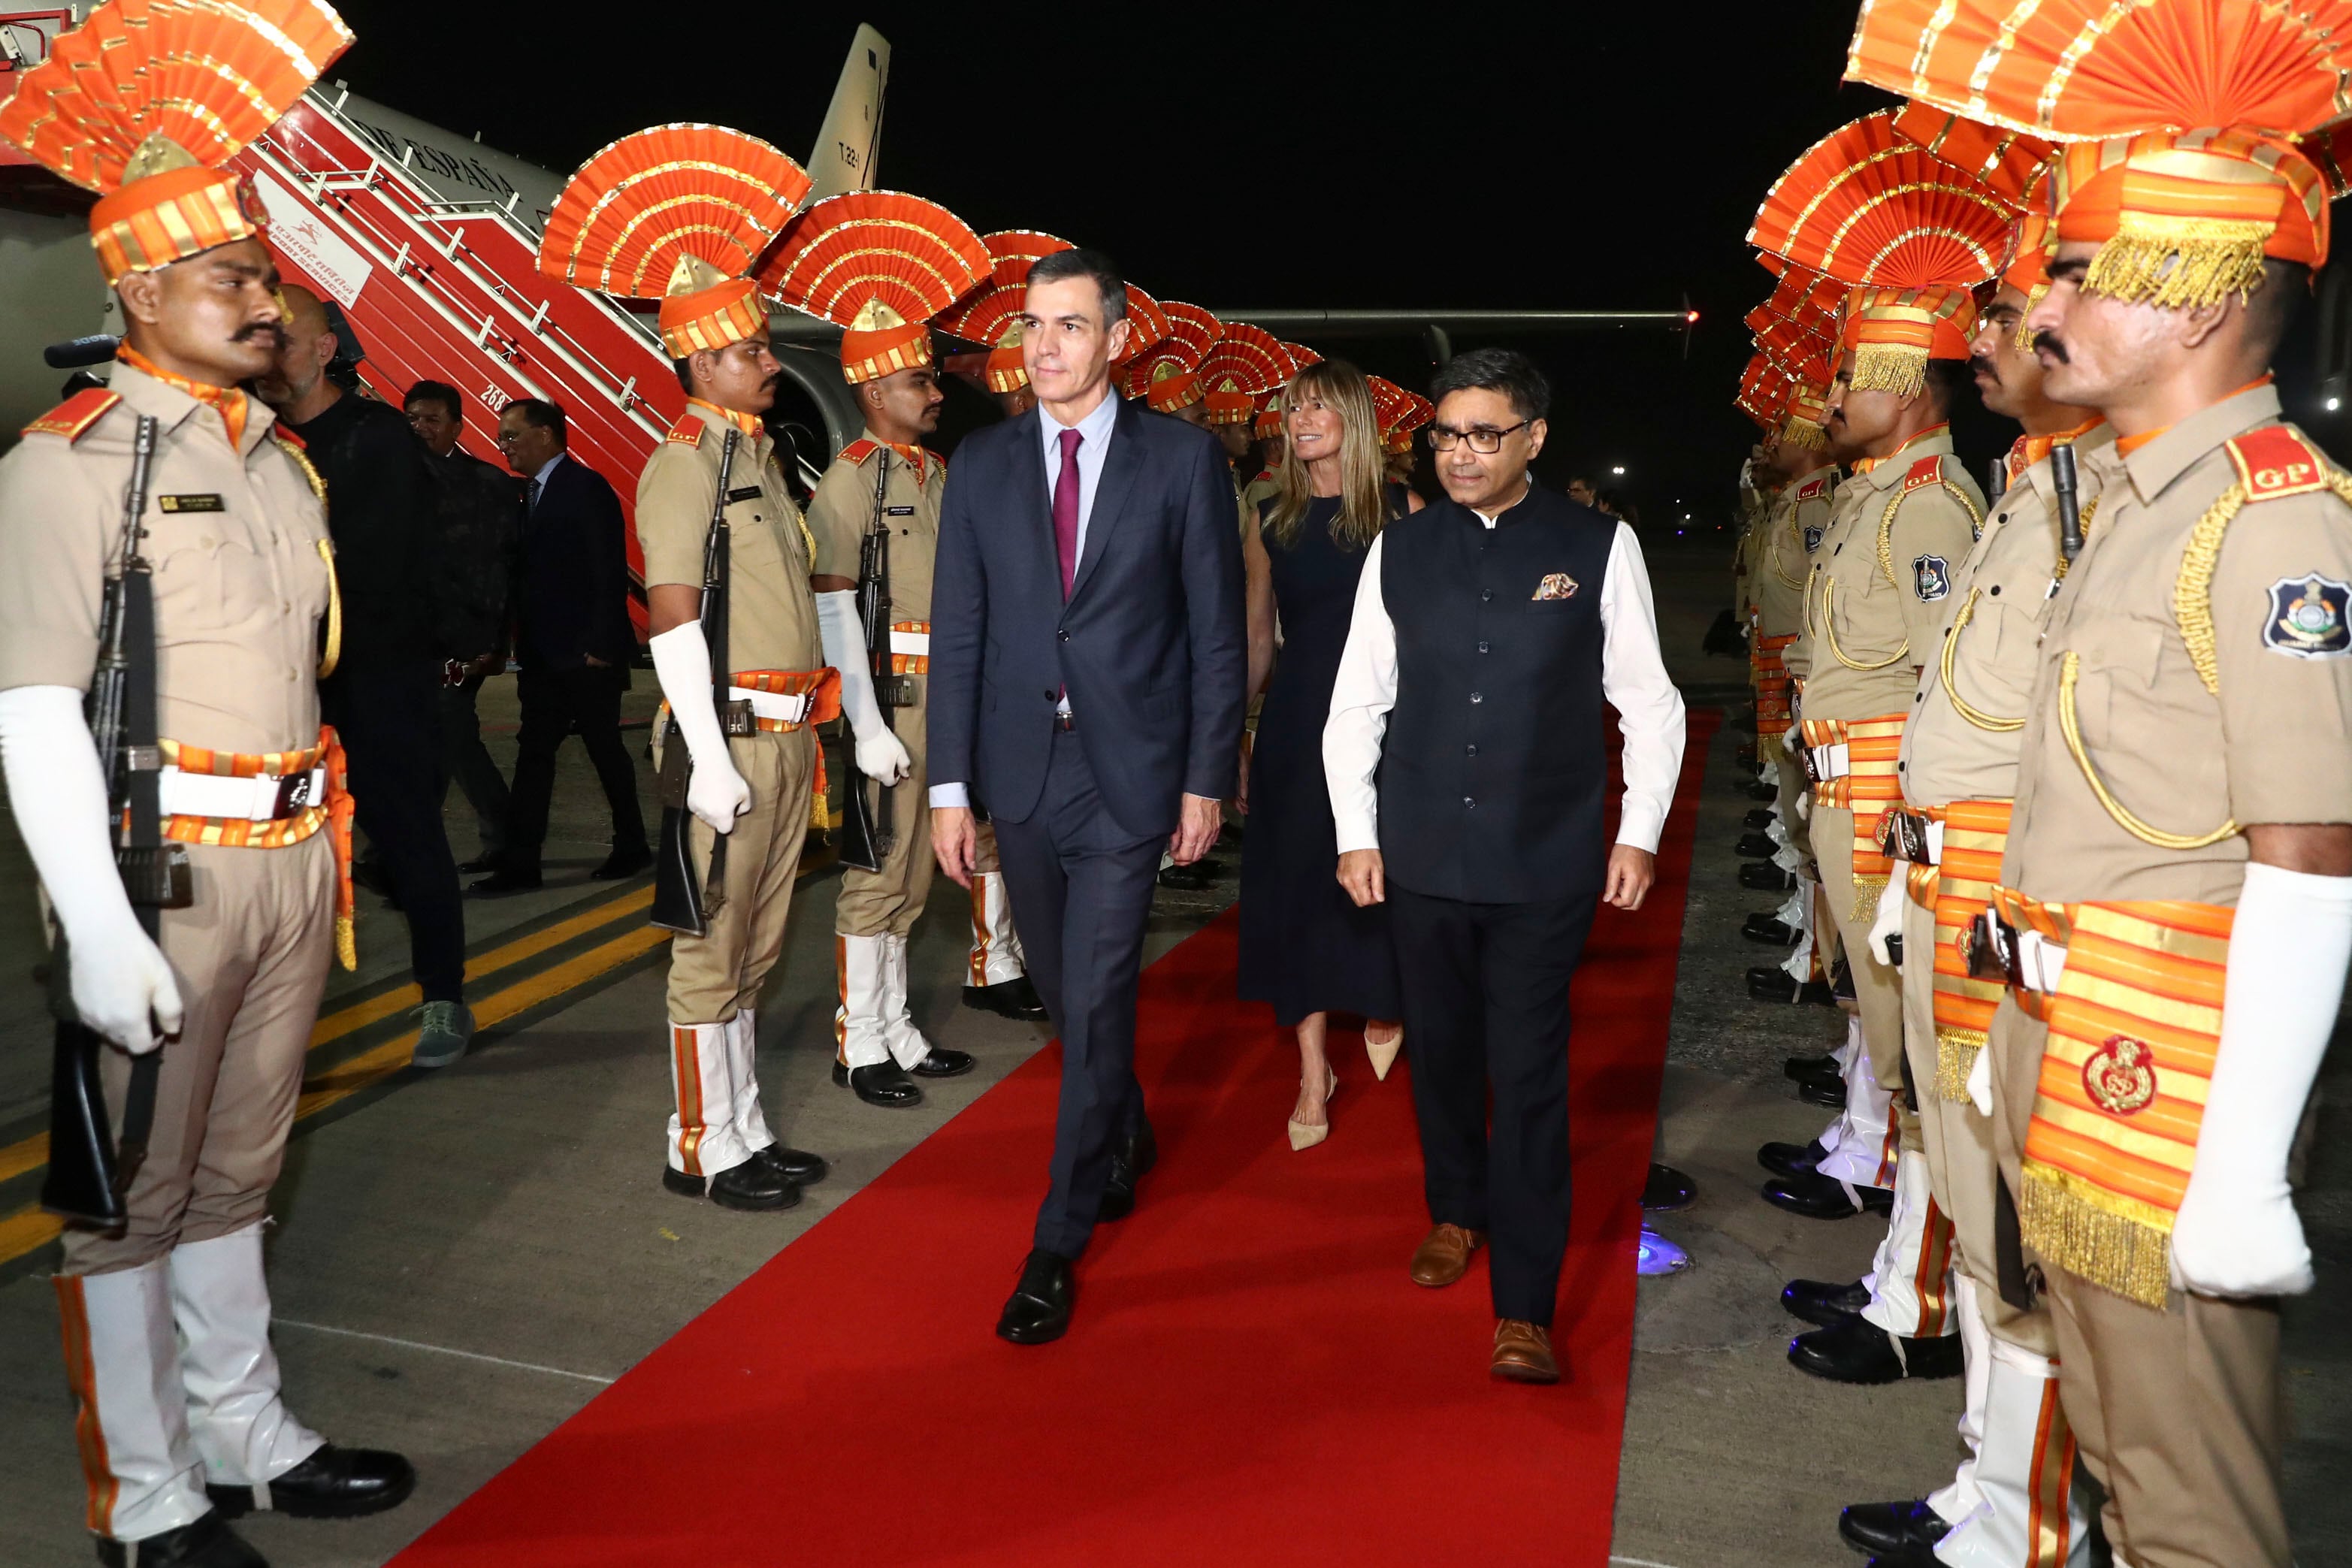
(90, 1172)
(680, 902)
(876, 834)
(2070, 515)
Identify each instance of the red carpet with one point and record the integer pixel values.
(1251, 1377)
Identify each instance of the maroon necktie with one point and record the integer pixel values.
(1066, 510)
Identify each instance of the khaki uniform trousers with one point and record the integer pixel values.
(2179, 1413)
(712, 976)
(1878, 988)
(890, 902)
(250, 958)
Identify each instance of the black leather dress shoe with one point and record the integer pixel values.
(504, 880)
(1756, 847)
(1771, 983)
(1825, 1089)
(1038, 1310)
(941, 1062)
(1822, 1304)
(1013, 998)
(1185, 879)
(797, 1166)
(1771, 931)
(1892, 1529)
(479, 865)
(1761, 818)
(1791, 1159)
(207, 1542)
(1759, 790)
(881, 1085)
(1667, 1189)
(756, 1184)
(332, 1483)
(1803, 1067)
(1855, 1350)
(623, 863)
(1763, 877)
(1817, 1196)
(1132, 1159)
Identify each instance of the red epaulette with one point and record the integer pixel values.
(858, 451)
(1817, 488)
(2271, 463)
(1928, 470)
(288, 438)
(73, 417)
(687, 431)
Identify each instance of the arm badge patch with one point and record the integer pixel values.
(2307, 618)
(1813, 539)
(1931, 577)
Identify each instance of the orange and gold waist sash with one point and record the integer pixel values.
(1855, 770)
(303, 818)
(2134, 1023)
(817, 698)
(1954, 889)
(1770, 679)
(910, 647)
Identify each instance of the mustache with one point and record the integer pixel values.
(260, 330)
(1981, 365)
(2057, 350)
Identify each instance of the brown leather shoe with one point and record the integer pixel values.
(1443, 1255)
(1523, 1352)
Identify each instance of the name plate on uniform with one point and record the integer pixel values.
(902, 511)
(743, 493)
(190, 503)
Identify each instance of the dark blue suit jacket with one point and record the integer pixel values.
(1151, 644)
(574, 595)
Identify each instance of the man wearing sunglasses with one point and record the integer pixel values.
(1467, 768)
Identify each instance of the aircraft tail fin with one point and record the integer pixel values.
(846, 144)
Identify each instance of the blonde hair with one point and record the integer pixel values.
(1363, 493)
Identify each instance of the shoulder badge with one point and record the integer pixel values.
(687, 431)
(2275, 461)
(858, 451)
(2309, 617)
(1928, 470)
(73, 417)
(1815, 491)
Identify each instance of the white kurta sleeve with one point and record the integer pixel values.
(1360, 700)
(1633, 678)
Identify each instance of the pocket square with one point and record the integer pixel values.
(1555, 585)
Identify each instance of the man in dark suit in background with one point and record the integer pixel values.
(1087, 674)
(573, 640)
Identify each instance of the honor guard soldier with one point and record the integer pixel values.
(876, 520)
(2012, 1504)
(162, 547)
(1266, 429)
(1168, 378)
(1872, 604)
(735, 643)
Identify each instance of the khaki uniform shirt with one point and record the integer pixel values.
(1255, 494)
(234, 535)
(1815, 529)
(771, 611)
(1879, 586)
(1991, 637)
(841, 514)
(1776, 572)
(2272, 743)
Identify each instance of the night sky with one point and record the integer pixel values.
(1433, 155)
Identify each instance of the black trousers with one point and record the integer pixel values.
(386, 715)
(470, 764)
(1081, 891)
(554, 703)
(1485, 1001)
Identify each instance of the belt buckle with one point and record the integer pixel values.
(1812, 770)
(1992, 949)
(293, 795)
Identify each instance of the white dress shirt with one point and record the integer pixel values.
(539, 480)
(1632, 678)
(1093, 445)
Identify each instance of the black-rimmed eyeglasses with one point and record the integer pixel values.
(1481, 440)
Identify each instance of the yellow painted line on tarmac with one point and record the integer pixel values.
(30, 1227)
(31, 1154)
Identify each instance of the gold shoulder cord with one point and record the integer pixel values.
(1976, 518)
(1829, 631)
(1975, 716)
(2068, 669)
(2084, 523)
(1772, 550)
(1886, 536)
(334, 653)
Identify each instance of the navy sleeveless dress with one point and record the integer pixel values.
(1305, 945)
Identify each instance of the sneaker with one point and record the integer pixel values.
(443, 1032)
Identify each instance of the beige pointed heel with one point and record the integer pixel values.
(1384, 1052)
(1305, 1135)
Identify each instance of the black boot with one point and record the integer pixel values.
(1759, 819)
(332, 1483)
(881, 1085)
(1803, 1067)
(207, 1542)
(1792, 1159)
(1824, 1087)
(1855, 1350)
(1817, 1196)
(1756, 847)
(1822, 1304)
(1771, 983)
(1013, 998)
(1770, 930)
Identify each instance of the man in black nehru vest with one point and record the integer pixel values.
(1467, 767)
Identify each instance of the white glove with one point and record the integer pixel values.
(122, 985)
(1890, 914)
(881, 755)
(2237, 1233)
(715, 792)
(1981, 1082)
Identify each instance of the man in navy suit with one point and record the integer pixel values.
(573, 640)
(1088, 671)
